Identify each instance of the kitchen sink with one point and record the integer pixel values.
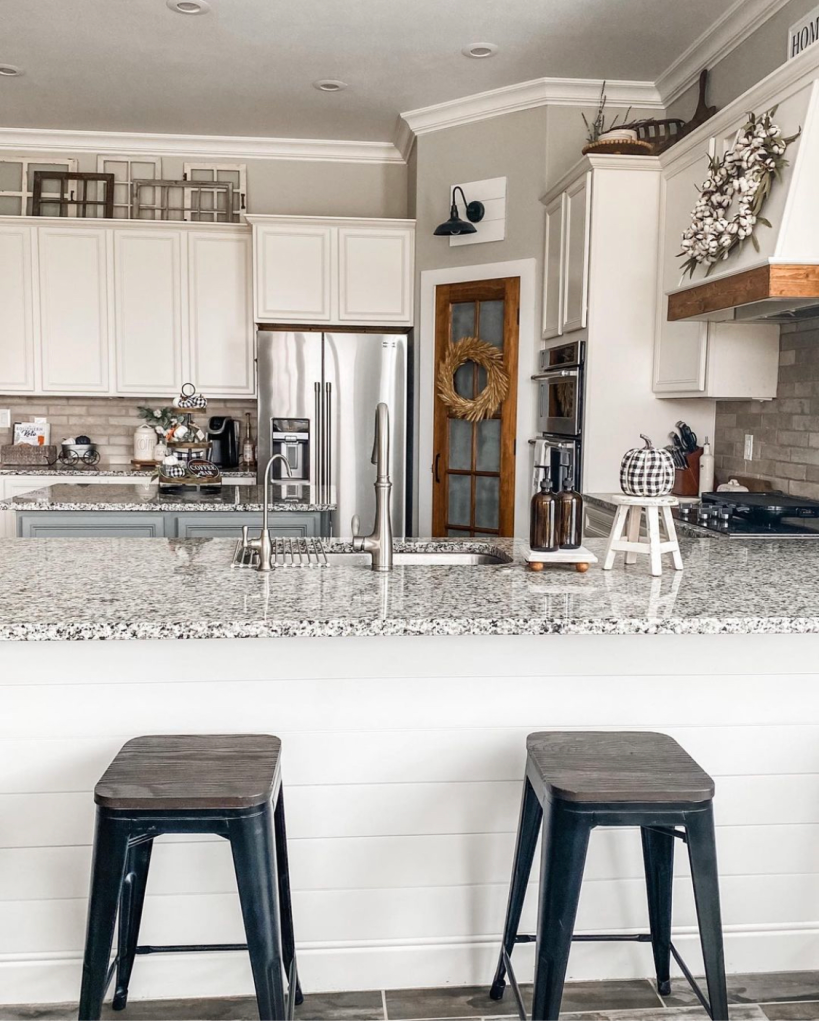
(307, 553)
(421, 558)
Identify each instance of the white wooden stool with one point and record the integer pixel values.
(625, 532)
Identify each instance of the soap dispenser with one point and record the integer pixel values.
(543, 519)
(569, 515)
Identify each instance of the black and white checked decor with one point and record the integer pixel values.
(647, 471)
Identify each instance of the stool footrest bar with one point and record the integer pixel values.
(144, 950)
(690, 978)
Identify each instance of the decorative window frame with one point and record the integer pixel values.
(129, 159)
(26, 193)
(239, 193)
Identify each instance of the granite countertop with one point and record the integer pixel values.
(101, 469)
(146, 497)
(690, 529)
(115, 588)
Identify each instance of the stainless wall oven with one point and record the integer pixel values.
(558, 449)
(560, 389)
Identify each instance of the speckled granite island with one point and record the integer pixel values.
(402, 701)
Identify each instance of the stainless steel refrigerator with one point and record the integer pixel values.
(317, 396)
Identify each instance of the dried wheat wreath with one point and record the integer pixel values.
(485, 404)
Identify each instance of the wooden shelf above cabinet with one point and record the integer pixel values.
(774, 284)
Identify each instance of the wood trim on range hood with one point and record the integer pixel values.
(777, 282)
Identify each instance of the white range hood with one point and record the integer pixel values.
(781, 279)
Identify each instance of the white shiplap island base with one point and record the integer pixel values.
(404, 754)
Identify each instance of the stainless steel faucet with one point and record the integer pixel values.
(379, 543)
(262, 542)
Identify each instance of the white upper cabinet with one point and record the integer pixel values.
(375, 274)
(17, 353)
(576, 258)
(73, 306)
(333, 270)
(148, 311)
(220, 312)
(295, 270)
(133, 309)
(553, 268)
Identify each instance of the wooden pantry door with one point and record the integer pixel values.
(473, 464)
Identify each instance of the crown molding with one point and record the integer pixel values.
(211, 147)
(741, 20)
(404, 138)
(525, 95)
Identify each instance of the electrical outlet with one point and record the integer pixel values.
(5, 418)
(749, 447)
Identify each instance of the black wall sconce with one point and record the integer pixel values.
(474, 215)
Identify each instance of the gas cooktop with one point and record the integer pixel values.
(744, 514)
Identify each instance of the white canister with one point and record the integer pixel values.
(144, 441)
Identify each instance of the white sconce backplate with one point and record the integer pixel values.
(492, 193)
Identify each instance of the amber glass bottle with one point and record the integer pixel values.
(543, 520)
(569, 516)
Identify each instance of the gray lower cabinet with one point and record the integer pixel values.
(80, 524)
(229, 525)
(188, 525)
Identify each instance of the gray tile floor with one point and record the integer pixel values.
(761, 996)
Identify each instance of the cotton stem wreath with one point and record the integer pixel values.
(746, 172)
(485, 404)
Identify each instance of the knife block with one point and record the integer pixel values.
(687, 481)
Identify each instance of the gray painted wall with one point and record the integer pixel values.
(761, 53)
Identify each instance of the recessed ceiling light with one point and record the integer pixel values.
(9, 71)
(189, 6)
(480, 50)
(329, 85)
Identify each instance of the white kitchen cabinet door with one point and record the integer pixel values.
(576, 256)
(17, 364)
(681, 347)
(220, 312)
(73, 303)
(376, 275)
(148, 311)
(295, 272)
(553, 268)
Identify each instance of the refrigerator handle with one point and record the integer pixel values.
(317, 445)
(328, 419)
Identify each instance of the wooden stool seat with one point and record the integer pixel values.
(625, 531)
(613, 767)
(191, 772)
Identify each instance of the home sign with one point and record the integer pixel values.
(803, 34)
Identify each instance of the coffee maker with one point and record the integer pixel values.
(223, 434)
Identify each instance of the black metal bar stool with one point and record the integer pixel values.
(227, 785)
(576, 781)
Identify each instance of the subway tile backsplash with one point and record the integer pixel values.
(109, 422)
(785, 430)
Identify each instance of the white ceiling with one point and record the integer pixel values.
(247, 67)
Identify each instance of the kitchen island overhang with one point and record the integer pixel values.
(403, 756)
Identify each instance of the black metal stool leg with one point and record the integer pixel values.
(702, 852)
(130, 917)
(254, 858)
(285, 902)
(531, 814)
(565, 842)
(658, 857)
(108, 869)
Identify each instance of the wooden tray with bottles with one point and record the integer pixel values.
(580, 557)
